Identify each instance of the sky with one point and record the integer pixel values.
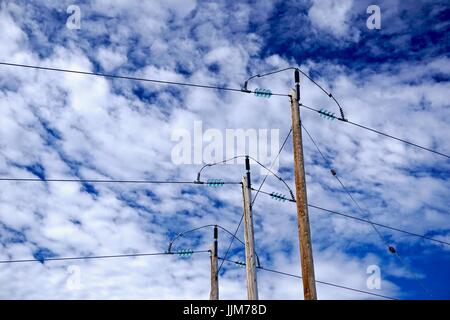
(55, 125)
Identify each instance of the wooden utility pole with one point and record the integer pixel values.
(250, 260)
(214, 294)
(304, 234)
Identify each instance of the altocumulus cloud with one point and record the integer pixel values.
(56, 125)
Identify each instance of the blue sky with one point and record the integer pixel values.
(55, 125)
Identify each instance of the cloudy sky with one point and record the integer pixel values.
(65, 126)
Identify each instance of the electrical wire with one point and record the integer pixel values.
(132, 255)
(214, 164)
(132, 78)
(366, 221)
(169, 249)
(106, 181)
(380, 225)
(271, 166)
(380, 133)
(242, 216)
(269, 170)
(100, 257)
(329, 94)
(231, 242)
(229, 89)
(183, 182)
(364, 213)
(328, 163)
(182, 234)
(318, 281)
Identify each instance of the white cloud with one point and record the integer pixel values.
(12, 35)
(332, 16)
(110, 59)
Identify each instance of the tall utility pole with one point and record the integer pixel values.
(214, 294)
(304, 234)
(250, 260)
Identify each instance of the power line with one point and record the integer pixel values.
(366, 221)
(383, 239)
(186, 84)
(269, 170)
(271, 166)
(330, 284)
(329, 94)
(108, 181)
(242, 216)
(267, 174)
(100, 257)
(380, 225)
(379, 132)
(179, 235)
(182, 234)
(318, 281)
(333, 172)
(226, 89)
(132, 255)
(214, 164)
(194, 182)
(231, 242)
(270, 194)
(342, 118)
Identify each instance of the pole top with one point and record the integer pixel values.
(297, 76)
